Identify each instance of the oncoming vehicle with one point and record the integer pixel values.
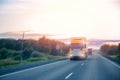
(78, 48)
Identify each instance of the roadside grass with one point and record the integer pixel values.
(118, 57)
(112, 56)
(115, 56)
(10, 62)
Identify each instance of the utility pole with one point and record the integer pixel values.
(22, 45)
(21, 58)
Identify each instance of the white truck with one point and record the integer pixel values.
(78, 48)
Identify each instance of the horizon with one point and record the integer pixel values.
(36, 36)
(92, 43)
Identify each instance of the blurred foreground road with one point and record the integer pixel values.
(95, 67)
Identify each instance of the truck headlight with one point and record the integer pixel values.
(82, 55)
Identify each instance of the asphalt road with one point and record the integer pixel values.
(95, 67)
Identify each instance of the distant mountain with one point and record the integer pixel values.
(9, 35)
(19, 35)
(95, 43)
(99, 42)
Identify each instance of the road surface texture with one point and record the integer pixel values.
(95, 67)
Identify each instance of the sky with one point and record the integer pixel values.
(67, 18)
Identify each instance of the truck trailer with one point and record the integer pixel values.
(90, 51)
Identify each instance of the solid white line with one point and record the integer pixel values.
(68, 76)
(29, 69)
(82, 64)
(111, 62)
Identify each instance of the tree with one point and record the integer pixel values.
(104, 47)
(44, 45)
(27, 53)
(3, 53)
(110, 49)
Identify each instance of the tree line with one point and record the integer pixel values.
(109, 49)
(30, 47)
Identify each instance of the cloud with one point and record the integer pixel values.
(87, 17)
(9, 35)
(18, 35)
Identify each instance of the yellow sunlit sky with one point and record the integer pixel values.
(89, 18)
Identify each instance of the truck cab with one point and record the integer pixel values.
(78, 48)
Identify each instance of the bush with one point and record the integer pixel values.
(32, 59)
(3, 53)
(118, 57)
(37, 54)
(6, 62)
(27, 53)
(17, 57)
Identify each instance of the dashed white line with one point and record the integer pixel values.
(68, 75)
(82, 64)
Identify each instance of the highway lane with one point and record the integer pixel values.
(94, 68)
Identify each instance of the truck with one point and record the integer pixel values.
(90, 51)
(78, 48)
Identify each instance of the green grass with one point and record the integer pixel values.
(115, 56)
(35, 57)
(9, 62)
(118, 57)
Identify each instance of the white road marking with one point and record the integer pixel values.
(111, 62)
(29, 69)
(82, 64)
(68, 75)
